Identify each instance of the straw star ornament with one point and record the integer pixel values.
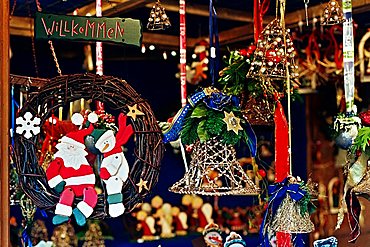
(142, 184)
(133, 112)
(232, 122)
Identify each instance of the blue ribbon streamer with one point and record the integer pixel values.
(13, 115)
(213, 43)
(173, 133)
(26, 238)
(252, 139)
(277, 192)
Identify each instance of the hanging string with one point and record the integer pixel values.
(13, 8)
(33, 42)
(14, 105)
(39, 9)
(55, 57)
(214, 44)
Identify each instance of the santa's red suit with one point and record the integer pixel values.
(75, 179)
(71, 168)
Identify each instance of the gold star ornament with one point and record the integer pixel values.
(232, 122)
(133, 112)
(142, 184)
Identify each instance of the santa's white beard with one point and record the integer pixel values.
(72, 159)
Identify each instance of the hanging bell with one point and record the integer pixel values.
(274, 54)
(290, 219)
(158, 19)
(215, 171)
(332, 14)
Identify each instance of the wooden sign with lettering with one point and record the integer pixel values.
(67, 27)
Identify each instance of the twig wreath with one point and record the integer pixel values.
(118, 96)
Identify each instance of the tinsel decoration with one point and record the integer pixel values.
(94, 236)
(64, 236)
(158, 19)
(270, 61)
(332, 14)
(214, 170)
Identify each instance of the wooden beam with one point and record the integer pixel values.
(4, 124)
(21, 26)
(110, 8)
(292, 18)
(203, 10)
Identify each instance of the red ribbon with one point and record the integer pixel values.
(282, 165)
(260, 10)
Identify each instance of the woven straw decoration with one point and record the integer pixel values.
(214, 170)
(289, 218)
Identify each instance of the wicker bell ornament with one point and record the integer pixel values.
(273, 56)
(333, 14)
(214, 170)
(290, 219)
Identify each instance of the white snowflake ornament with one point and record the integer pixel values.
(28, 125)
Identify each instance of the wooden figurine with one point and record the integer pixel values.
(165, 219)
(179, 221)
(147, 226)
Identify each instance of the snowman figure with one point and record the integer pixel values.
(114, 168)
(234, 240)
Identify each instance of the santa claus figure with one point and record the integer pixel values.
(71, 174)
(114, 167)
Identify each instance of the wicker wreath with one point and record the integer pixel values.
(117, 95)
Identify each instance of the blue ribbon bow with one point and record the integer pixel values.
(277, 192)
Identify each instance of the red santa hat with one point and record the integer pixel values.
(77, 138)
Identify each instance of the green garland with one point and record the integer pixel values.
(234, 81)
(204, 123)
(362, 141)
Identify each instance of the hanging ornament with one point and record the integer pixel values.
(357, 181)
(213, 127)
(332, 14)
(158, 19)
(346, 129)
(327, 242)
(28, 125)
(214, 170)
(212, 235)
(91, 151)
(39, 233)
(94, 236)
(271, 58)
(234, 240)
(64, 236)
(288, 210)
